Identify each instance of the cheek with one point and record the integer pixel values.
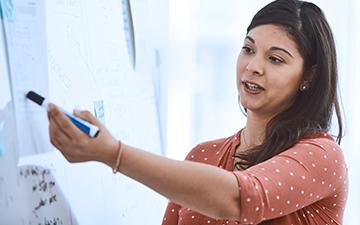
(285, 89)
(240, 69)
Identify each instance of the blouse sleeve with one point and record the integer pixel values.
(309, 171)
(171, 215)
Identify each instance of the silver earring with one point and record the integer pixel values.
(242, 109)
(303, 87)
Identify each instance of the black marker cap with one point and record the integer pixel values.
(35, 97)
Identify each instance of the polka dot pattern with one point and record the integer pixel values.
(307, 182)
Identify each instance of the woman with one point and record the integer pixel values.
(282, 167)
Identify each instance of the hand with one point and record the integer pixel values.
(75, 145)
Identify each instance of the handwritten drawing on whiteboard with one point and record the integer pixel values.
(84, 51)
(47, 205)
(25, 38)
(88, 62)
(76, 53)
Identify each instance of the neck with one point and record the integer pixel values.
(254, 130)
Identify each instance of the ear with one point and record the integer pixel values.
(308, 78)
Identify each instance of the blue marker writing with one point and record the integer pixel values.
(83, 125)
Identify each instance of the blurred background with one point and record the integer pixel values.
(205, 37)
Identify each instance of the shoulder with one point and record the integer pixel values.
(321, 144)
(212, 146)
(319, 153)
(311, 171)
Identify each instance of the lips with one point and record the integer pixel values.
(252, 87)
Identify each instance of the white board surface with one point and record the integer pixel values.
(76, 54)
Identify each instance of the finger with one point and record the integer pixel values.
(60, 120)
(48, 115)
(58, 145)
(64, 122)
(57, 136)
(53, 134)
(53, 124)
(86, 115)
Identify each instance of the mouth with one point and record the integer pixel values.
(253, 88)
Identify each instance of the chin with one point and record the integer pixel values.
(246, 102)
(248, 106)
(251, 106)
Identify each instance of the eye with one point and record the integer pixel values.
(247, 50)
(276, 60)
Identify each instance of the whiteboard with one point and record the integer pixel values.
(75, 53)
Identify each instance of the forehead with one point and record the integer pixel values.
(267, 36)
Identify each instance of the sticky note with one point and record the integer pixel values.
(7, 10)
(99, 111)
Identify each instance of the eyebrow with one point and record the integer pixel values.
(274, 48)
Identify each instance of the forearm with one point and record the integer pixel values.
(204, 188)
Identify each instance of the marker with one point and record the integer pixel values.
(83, 125)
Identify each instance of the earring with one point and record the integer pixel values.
(303, 87)
(242, 108)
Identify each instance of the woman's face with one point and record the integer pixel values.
(269, 70)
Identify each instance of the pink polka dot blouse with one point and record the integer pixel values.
(306, 184)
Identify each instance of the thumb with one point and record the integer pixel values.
(86, 115)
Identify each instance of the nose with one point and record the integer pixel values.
(255, 65)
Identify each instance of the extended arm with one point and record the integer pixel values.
(207, 189)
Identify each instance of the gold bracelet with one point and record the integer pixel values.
(116, 167)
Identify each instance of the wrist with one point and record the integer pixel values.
(118, 157)
(110, 153)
